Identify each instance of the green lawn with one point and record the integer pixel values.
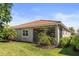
(29, 49)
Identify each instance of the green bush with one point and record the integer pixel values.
(77, 46)
(44, 39)
(65, 41)
(1, 36)
(9, 33)
(75, 41)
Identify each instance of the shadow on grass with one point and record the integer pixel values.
(69, 51)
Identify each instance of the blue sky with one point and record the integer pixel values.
(26, 12)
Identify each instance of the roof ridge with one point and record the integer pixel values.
(49, 20)
(40, 20)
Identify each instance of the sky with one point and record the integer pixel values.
(68, 14)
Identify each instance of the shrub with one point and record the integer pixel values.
(75, 42)
(1, 36)
(9, 33)
(44, 39)
(65, 41)
(77, 46)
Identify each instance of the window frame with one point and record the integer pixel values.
(25, 33)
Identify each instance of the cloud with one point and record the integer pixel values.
(68, 19)
(20, 19)
(62, 17)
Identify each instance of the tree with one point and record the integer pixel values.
(5, 13)
(78, 31)
(72, 30)
(5, 16)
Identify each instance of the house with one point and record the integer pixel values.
(77, 31)
(26, 32)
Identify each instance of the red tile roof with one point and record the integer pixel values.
(38, 23)
(35, 23)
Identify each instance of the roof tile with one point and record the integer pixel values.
(36, 23)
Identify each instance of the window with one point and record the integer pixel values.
(25, 33)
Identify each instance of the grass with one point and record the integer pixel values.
(29, 49)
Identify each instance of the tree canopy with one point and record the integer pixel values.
(5, 13)
(72, 30)
(6, 32)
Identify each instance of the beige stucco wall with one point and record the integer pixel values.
(28, 38)
(65, 33)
